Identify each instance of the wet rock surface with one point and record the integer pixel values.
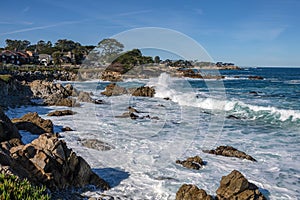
(96, 144)
(236, 186)
(192, 192)
(113, 89)
(61, 113)
(33, 123)
(192, 163)
(229, 151)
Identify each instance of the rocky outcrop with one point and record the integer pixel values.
(143, 91)
(113, 90)
(236, 187)
(229, 151)
(61, 113)
(33, 123)
(192, 192)
(232, 187)
(7, 129)
(14, 93)
(52, 93)
(96, 144)
(192, 163)
(48, 161)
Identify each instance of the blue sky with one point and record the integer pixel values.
(248, 33)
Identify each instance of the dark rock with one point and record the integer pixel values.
(64, 129)
(255, 77)
(232, 117)
(192, 192)
(253, 92)
(33, 123)
(99, 101)
(61, 113)
(96, 144)
(47, 160)
(236, 186)
(192, 163)
(167, 98)
(229, 151)
(7, 129)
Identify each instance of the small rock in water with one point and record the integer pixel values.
(61, 113)
(96, 144)
(64, 129)
(229, 151)
(192, 163)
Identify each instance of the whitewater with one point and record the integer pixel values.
(261, 118)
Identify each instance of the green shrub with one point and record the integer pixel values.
(13, 188)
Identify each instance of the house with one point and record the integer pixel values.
(15, 57)
(45, 59)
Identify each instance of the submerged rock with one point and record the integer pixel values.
(229, 151)
(33, 123)
(192, 192)
(236, 186)
(96, 144)
(61, 113)
(192, 163)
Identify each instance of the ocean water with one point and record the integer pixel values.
(259, 117)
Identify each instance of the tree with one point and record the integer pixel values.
(56, 56)
(109, 49)
(157, 59)
(65, 45)
(16, 45)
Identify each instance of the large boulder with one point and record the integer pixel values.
(7, 129)
(192, 163)
(192, 192)
(47, 160)
(33, 123)
(229, 151)
(143, 91)
(236, 187)
(113, 89)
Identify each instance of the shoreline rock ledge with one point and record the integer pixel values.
(48, 161)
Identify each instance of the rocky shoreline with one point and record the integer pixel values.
(48, 161)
